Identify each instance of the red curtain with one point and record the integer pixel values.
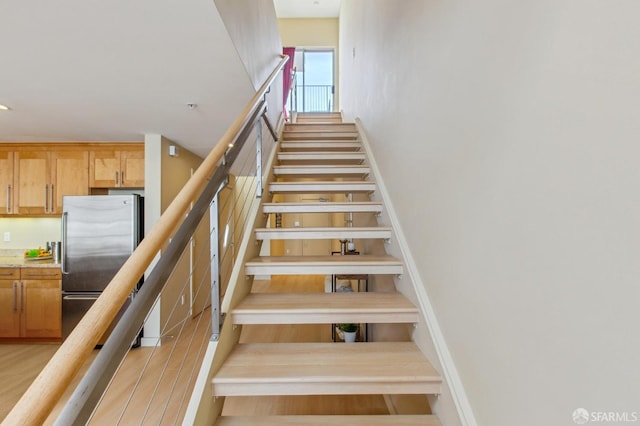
(286, 75)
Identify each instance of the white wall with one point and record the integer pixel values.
(164, 178)
(253, 28)
(507, 134)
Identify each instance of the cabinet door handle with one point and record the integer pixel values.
(116, 177)
(8, 198)
(51, 209)
(122, 178)
(20, 295)
(14, 304)
(45, 197)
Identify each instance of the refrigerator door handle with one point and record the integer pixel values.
(63, 255)
(80, 297)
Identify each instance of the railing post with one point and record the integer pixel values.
(214, 256)
(259, 158)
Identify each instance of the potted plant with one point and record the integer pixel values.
(349, 331)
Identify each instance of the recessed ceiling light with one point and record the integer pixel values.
(4, 107)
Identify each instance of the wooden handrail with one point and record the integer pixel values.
(47, 389)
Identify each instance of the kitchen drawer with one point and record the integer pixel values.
(41, 274)
(9, 273)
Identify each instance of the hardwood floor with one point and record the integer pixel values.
(164, 391)
(19, 365)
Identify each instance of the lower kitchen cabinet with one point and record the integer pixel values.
(30, 303)
(9, 312)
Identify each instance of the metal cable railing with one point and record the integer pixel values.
(39, 400)
(87, 395)
(177, 372)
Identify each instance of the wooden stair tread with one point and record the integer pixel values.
(319, 120)
(338, 420)
(323, 265)
(321, 170)
(324, 308)
(319, 135)
(328, 207)
(322, 186)
(321, 155)
(319, 127)
(321, 144)
(328, 233)
(325, 369)
(320, 114)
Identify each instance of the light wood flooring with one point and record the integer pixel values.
(164, 391)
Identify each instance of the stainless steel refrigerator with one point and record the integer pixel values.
(99, 233)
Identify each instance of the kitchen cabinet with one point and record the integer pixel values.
(9, 312)
(42, 177)
(6, 182)
(41, 302)
(35, 176)
(32, 178)
(69, 176)
(121, 168)
(31, 303)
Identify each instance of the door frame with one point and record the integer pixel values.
(301, 51)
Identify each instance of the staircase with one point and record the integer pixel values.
(322, 155)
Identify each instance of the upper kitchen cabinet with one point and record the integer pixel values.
(6, 182)
(69, 174)
(32, 179)
(42, 177)
(121, 168)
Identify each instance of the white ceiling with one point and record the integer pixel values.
(307, 8)
(90, 70)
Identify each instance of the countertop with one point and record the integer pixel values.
(21, 262)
